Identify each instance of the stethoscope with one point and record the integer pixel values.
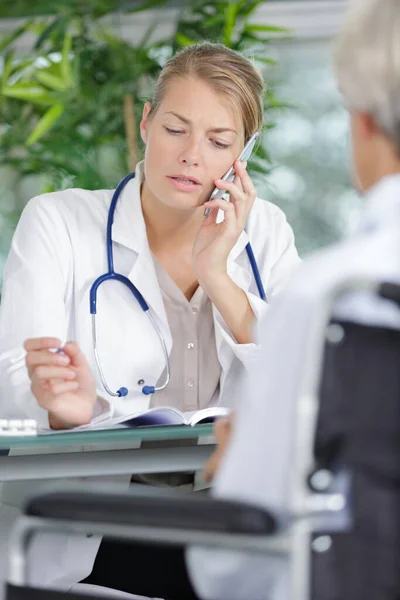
(112, 275)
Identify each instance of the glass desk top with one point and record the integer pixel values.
(107, 436)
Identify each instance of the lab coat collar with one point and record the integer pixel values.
(382, 204)
(129, 229)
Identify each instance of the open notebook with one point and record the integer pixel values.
(153, 417)
(164, 415)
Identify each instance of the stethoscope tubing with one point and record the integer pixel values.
(111, 275)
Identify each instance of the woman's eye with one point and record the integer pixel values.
(173, 131)
(220, 145)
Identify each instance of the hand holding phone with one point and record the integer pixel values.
(230, 174)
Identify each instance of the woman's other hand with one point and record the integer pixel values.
(62, 382)
(222, 432)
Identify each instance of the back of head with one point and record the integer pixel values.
(227, 72)
(367, 61)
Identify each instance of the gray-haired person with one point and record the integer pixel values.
(253, 461)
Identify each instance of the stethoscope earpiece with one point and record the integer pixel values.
(148, 389)
(122, 392)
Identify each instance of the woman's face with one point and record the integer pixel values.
(191, 140)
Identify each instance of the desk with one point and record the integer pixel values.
(105, 452)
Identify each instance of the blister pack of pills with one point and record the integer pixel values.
(18, 427)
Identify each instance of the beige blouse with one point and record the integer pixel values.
(195, 368)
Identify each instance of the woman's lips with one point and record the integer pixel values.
(183, 184)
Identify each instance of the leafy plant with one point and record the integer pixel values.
(69, 111)
(71, 103)
(94, 9)
(70, 108)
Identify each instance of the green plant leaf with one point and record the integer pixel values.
(230, 21)
(11, 8)
(247, 8)
(272, 100)
(258, 167)
(45, 123)
(8, 62)
(19, 66)
(266, 60)
(266, 28)
(28, 92)
(51, 81)
(145, 5)
(261, 152)
(184, 40)
(65, 65)
(46, 33)
(105, 70)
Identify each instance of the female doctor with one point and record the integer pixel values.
(193, 273)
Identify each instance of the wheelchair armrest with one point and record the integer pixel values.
(150, 509)
(390, 291)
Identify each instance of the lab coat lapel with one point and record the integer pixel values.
(239, 269)
(129, 230)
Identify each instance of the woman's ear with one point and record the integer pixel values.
(366, 126)
(144, 123)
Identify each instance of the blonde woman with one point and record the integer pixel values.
(192, 271)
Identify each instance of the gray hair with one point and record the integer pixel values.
(367, 62)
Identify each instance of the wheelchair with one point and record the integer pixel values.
(342, 538)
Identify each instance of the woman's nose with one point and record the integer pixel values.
(190, 161)
(190, 155)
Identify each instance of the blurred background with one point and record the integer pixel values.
(74, 75)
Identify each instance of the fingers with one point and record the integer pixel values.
(236, 193)
(43, 372)
(75, 354)
(43, 362)
(45, 357)
(43, 343)
(237, 179)
(242, 193)
(241, 183)
(211, 466)
(245, 180)
(227, 207)
(39, 352)
(230, 186)
(222, 430)
(46, 379)
(63, 387)
(49, 370)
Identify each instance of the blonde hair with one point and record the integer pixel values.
(226, 71)
(367, 61)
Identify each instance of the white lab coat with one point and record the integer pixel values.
(57, 252)
(257, 464)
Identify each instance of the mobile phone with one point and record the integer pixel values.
(230, 174)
